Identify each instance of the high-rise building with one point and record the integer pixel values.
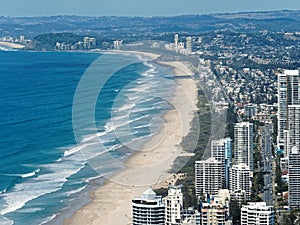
(118, 44)
(243, 143)
(257, 213)
(239, 196)
(89, 42)
(22, 39)
(250, 110)
(173, 205)
(240, 179)
(293, 128)
(148, 209)
(292, 77)
(208, 177)
(294, 178)
(288, 94)
(222, 150)
(189, 45)
(176, 38)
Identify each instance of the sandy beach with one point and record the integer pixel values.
(111, 203)
(12, 45)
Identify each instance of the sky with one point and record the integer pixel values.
(138, 7)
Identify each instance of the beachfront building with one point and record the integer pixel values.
(208, 177)
(173, 205)
(257, 213)
(118, 44)
(221, 151)
(294, 179)
(176, 38)
(189, 45)
(89, 42)
(294, 128)
(243, 144)
(240, 179)
(216, 211)
(148, 209)
(288, 94)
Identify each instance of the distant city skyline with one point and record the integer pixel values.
(138, 7)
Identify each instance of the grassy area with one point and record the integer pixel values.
(203, 117)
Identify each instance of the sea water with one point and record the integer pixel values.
(51, 149)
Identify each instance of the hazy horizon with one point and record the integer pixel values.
(31, 8)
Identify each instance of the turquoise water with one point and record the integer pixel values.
(67, 118)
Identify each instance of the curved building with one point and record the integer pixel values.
(148, 209)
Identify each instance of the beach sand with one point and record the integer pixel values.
(12, 45)
(111, 203)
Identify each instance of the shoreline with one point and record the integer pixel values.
(12, 45)
(111, 202)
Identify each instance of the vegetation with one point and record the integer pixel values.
(48, 41)
(235, 212)
(281, 186)
(162, 192)
(291, 218)
(203, 115)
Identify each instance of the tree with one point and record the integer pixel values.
(235, 212)
(278, 178)
(289, 218)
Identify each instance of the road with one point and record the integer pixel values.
(268, 160)
(268, 192)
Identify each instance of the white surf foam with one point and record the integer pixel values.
(31, 174)
(36, 187)
(76, 191)
(5, 221)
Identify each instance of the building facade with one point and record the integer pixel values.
(293, 128)
(288, 94)
(221, 150)
(294, 179)
(173, 205)
(189, 45)
(208, 177)
(243, 144)
(240, 179)
(148, 209)
(216, 211)
(257, 213)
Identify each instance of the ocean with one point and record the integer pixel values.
(68, 120)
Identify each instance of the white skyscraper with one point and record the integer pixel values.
(89, 42)
(173, 205)
(294, 179)
(189, 45)
(208, 176)
(257, 213)
(148, 209)
(221, 150)
(293, 128)
(243, 143)
(288, 94)
(240, 179)
(176, 37)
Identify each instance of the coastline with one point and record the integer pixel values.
(111, 202)
(11, 45)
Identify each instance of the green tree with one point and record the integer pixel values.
(235, 212)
